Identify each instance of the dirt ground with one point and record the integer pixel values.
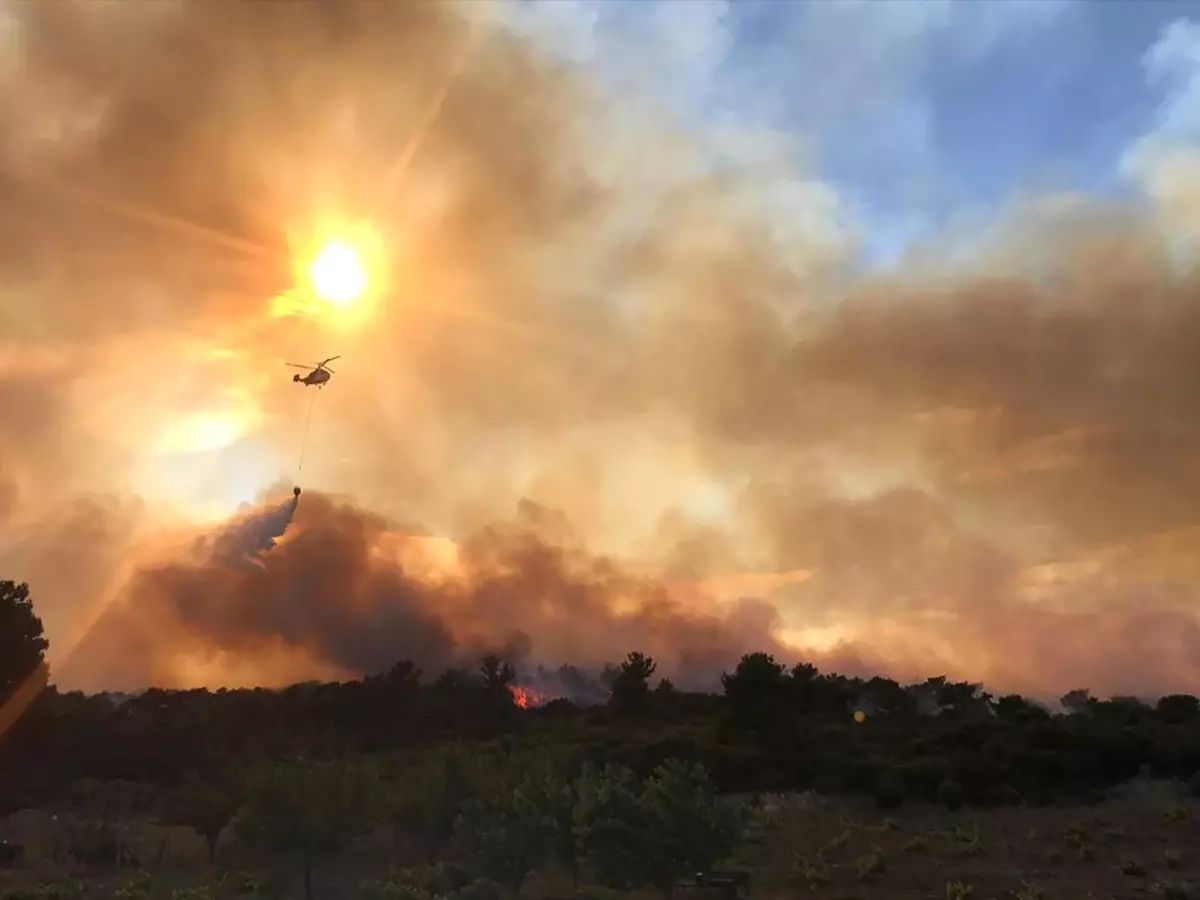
(1142, 843)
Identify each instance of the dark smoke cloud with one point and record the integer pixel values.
(988, 468)
(244, 541)
(339, 590)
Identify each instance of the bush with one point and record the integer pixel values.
(889, 792)
(445, 879)
(950, 794)
(1194, 784)
(481, 889)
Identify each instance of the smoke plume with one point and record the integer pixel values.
(730, 438)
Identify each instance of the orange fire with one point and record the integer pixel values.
(525, 697)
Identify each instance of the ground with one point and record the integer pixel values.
(1142, 842)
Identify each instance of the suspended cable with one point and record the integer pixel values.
(304, 440)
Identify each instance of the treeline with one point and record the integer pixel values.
(768, 728)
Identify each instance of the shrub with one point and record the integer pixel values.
(950, 794)
(481, 889)
(1194, 784)
(889, 792)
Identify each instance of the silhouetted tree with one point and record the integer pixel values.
(631, 686)
(453, 680)
(1015, 708)
(756, 693)
(1178, 708)
(402, 677)
(1076, 701)
(23, 643)
(883, 696)
(497, 675)
(207, 805)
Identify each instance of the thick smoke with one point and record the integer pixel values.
(244, 541)
(987, 469)
(354, 596)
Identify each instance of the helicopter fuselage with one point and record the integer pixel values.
(316, 377)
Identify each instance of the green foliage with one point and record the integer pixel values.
(656, 832)
(63, 890)
(137, 887)
(480, 889)
(205, 891)
(772, 729)
(308, 811)
(207, 805)
(430, 883)
(870, 865)
(511, 828)
(424, 799)
(392, 889)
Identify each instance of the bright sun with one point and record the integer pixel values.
(337, 273)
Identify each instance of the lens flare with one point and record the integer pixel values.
(337, 273)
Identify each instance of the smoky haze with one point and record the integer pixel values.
(639, 413)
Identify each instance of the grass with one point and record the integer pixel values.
(922, 851)
(1135, 843)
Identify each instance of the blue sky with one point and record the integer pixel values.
(913, 111)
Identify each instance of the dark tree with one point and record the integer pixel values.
(756, 692)
(22, 641)
(631, 686)
(1178, 708)
(1015, 708)
(497, 675)
(403, 676)
(207, 806)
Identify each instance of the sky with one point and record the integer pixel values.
(916, 112)
(860, 333)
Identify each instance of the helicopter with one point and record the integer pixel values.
(316, 376)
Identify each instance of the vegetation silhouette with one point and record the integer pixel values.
(624, 791)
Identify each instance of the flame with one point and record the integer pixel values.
(525, 697)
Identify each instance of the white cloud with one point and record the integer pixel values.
(1165, 162)
(834, 86)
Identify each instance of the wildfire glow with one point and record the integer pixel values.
(338, 273)
(525, 697)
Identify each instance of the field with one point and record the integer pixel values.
(1141, 842)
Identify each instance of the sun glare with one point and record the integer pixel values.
(340, 274)
(337, 273)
